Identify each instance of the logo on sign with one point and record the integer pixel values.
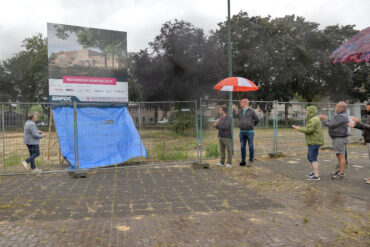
(62, 98)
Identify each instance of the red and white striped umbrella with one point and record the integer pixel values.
(236, 84)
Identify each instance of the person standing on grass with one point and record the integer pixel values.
(32, 138)
(338, 132)
(224, 136)
(247, 120)
(366, 128)
(314, 140)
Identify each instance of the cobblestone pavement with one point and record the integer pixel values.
(270, 204)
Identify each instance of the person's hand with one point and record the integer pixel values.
(41, 133)
(296, 127)
(351, 125)
(323, 117)
(235, 107)
(355, 119)
(214, 124)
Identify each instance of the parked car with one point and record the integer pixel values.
(211, 119)
(165, 120)
(42, 123)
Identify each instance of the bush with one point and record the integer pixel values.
(212, 150)
(164, 152)
(182, 121)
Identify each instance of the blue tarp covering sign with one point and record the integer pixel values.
(106, 136)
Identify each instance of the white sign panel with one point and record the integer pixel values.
(88, 89)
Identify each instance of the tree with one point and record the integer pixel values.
(178, 67)
(262, 49)
(26, 73)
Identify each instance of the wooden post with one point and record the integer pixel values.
(49, 137)
(59, 154)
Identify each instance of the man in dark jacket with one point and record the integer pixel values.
(366, 128)
(338, 132)
(224, 136)
(247, 120)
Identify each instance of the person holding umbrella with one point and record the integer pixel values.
(366, 128)
(247, 116)
(247, 120)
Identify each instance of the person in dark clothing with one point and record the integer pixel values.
(224, 136)
(338, 132)
(365, 126)
(247, 120)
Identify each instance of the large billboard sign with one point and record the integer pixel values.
(87, 64)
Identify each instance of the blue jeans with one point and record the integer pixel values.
(34, 151)
(244, 137)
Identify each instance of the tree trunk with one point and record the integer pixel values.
(286, 113)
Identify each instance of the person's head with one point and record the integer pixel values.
(311, 111)
(223, 111)
(368, 106)
(244, 103)
(32, 116)
(341, 107)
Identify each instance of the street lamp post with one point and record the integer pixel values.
(230, 73)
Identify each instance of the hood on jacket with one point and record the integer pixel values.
(312, 111)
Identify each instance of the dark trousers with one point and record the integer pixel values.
(34, 151)
(244, 137)
(225, 144)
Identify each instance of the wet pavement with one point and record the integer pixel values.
(269, 204)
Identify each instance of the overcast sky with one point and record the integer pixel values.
(142, 19)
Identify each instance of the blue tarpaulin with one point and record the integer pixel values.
(106, 136)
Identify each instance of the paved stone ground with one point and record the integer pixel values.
(270, 204)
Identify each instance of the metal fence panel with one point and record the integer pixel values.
(172, 132)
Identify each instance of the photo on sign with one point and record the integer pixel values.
(82, 51)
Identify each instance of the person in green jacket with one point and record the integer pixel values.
(314, 139)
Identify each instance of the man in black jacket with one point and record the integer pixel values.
(338, 132)
(366, 128)
(224, 136)
(247, 120)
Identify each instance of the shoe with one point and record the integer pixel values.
(36, 170)
(336, 172)
(228, 165)
(25, 165)
(338, 176)
(309, 174)
(242, 163)
(367, 180)
(219, 164)
(250, 163)
(313, 178)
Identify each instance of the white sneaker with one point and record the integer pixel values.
(36, 170)
(228, 165)
(25, 165)
(219, 164)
